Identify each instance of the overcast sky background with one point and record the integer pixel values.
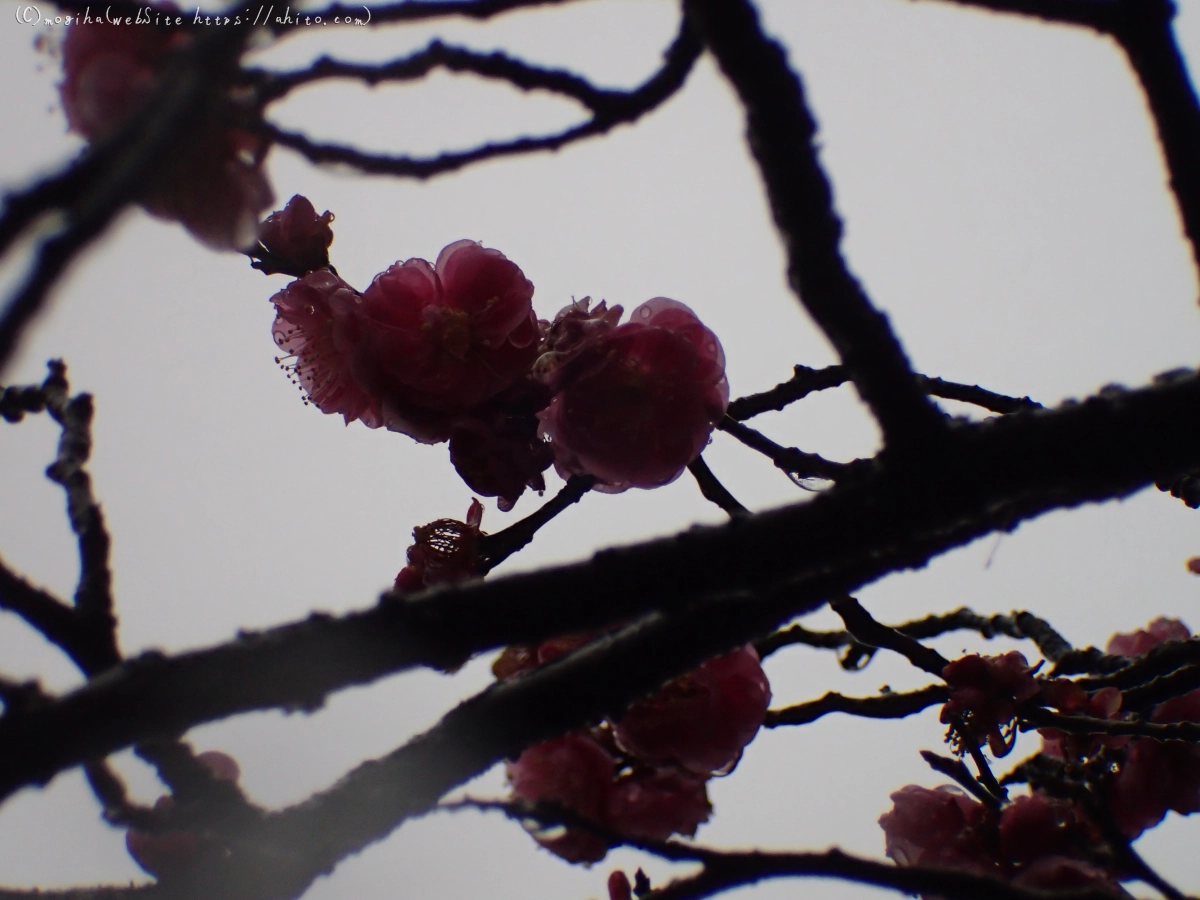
(1005, 203)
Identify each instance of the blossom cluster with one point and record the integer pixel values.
(452, 351)
(213, 181)
(644, 775)
(1043, 841)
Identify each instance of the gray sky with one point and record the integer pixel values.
(1005, 203)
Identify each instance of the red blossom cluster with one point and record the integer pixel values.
(1041, 841)
(645, 775)
(453, 351)
(1035, 842)
(213, 182)
(172, 852)
(985, 692)
(1155, 776)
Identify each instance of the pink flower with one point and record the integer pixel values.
(703, 719)
(497, 450)
(443, 552)
(1072, 700)
(1037, 826)
(942, 827)
(211, 179)
(986, 691)
(111, 70)
(1159, 776)
(1158, 632)
(437, 341)
(633, 404)
(215, 186)
(317, 327)
(619, 887)
(656, 803)
(574, 772)
(295, 240)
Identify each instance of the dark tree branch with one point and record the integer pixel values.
(93, 597)
(977, 396)
(1036, 717)
(798, 634)
(789, 459)
(1144, 32)
(726, 870)
(885, 706)
(87, 632)
(420, 10)
(270, 86)
(597, 681)
(867, 631)
(713, 490)
(43, 611)
(957, 769)
(1127, 673)
(1015, 625)
(1099, 15)
(1000, 471)
(1185, 488)
(782, 136)
(617, 108)
(969, 741)
(1155, 691)
(116, 892)
(495, 548)
(806, 381)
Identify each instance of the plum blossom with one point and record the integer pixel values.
(317, 328)
(986, 691)
(574, 772)
(1035, 841)
(939, 827)
(294, 240)
(1139, 643)
(439, 340)
(212, 181)
(635, 403)
(703, 719)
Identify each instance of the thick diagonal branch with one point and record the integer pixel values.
(782, 136)
(1000, 472)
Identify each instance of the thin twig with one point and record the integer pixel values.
(806, 381)
(867, 631)
(803, 382)
(789, 459)
(970, 742)
(497, 547)
(621, 108)
(270, 86)
(1037, 717)
(712, 489)
(957, 769)
(885, 706)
